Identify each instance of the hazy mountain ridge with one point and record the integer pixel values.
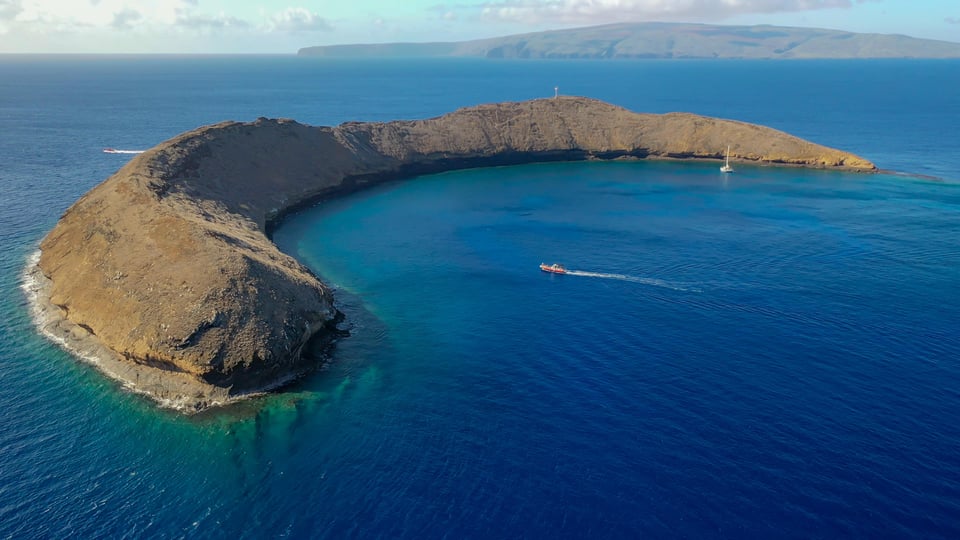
(663, 40)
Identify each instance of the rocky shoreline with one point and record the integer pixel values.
(168, 388)
(164, 275)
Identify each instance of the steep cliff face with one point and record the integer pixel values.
(166, 271)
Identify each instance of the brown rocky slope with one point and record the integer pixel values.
(165, 275)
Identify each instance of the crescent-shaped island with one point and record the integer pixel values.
(166, 278)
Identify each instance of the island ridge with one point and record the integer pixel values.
(662, 40)
(164, 275)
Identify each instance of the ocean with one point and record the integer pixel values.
(768, 354)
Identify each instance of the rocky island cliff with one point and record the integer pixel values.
(165, 276)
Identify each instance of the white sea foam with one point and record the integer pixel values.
(65, 334)
(34, 285)
(636, 279)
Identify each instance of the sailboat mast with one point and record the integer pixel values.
(726, 162)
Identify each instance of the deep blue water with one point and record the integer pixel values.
(772, 354)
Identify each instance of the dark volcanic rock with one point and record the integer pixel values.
(165, 275)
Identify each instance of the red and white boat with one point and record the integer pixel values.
(553, 268)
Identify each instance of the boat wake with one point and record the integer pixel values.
(654, 282)
(115, 151)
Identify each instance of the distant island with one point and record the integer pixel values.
(165, 276)
(664, 41)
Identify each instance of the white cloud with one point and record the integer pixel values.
(126, 19)
(593, 11)
(69, 16)
(155, 17)
(297, 20)
(193, 20)
(9, 9)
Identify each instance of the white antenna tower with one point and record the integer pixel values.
(556, 92)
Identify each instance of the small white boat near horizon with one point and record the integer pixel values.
(726, 168)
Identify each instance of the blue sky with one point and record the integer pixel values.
(258, 26)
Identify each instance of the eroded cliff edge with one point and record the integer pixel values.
(165, 276)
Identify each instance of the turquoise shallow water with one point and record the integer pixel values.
(769, 354)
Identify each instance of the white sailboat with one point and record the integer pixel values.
(726, 164)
